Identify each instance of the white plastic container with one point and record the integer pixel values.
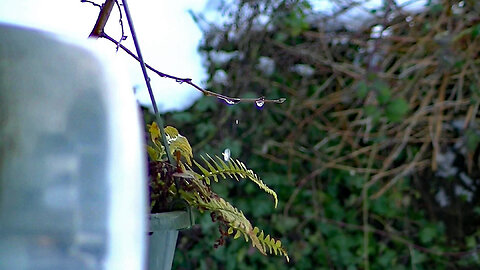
(72, 169)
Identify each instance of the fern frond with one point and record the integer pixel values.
(230, 215)
(238, 225)
(234, 168)
(197, 192)
(274, 246)
(157, 151)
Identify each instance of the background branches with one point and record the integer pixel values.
(380, 130)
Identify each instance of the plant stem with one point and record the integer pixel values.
(147, 81)
(102, 19)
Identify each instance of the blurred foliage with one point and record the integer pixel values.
(374, 156)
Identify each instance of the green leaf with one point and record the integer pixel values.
(206, 103)
(154, 131)
(427, 234)
(373, 111)
(396, 109)
(280, 37)
(383, 92)
(183, 117)
(476, 210)
(370, 110)
(153, 154)
(418, 257)
(204, 129)
(471, 242)
(387, 259)
(436, 8)
(362, 89)
(473, 139)
(237, 235)
(475, 31)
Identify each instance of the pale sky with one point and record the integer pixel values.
(167, 35)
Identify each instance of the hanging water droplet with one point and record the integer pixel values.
(230, 101)
(226, 154)
(260, 102)
(179, 81)
(236, 122)
(281, 100)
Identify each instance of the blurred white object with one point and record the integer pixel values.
(72, 169)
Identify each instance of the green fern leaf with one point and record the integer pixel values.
(154, 131)
(216, 166)
(205, 172)
(234, 169)
(274, 246)
(153, 154)
(237, 235)
(238, 225)
(213, 171)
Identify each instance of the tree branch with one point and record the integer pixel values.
(229, 100)
(98, 31)
(102, 19)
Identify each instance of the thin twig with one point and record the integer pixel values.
(91, 2)
(439, 122)
(227, 99)
(120, 20)
(407, 170)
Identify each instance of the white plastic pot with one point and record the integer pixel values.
(163, 237)
(72, 169)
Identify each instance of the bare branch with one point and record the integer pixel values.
(98, 31)
(91, 2)
(102, 19)
(120, 20)
(229, 100)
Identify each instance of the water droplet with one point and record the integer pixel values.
(179, 81)
(230, 101)
(281, 100)
(260, 102)
(226, 154)
(236, 122)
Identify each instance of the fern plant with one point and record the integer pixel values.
(189, 181)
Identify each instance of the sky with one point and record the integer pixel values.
(167, 35)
